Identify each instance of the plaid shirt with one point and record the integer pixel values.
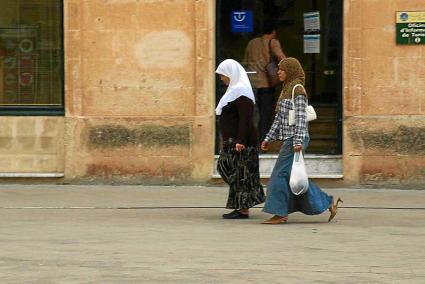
(281, 130)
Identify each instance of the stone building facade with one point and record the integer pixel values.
(140, 96)
(384, 97)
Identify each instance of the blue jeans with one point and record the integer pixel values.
(280, 200)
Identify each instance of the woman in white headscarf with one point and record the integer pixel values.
(238, 164)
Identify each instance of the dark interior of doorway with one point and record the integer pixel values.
(323, 70)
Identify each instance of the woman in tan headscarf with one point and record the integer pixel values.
(280, 200)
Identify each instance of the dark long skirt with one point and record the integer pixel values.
(241, 172)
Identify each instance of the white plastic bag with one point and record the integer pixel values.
(298, 181)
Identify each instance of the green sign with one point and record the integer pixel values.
(410, 27)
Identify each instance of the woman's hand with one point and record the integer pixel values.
(239, 147)
(298, 148)
(265, 146)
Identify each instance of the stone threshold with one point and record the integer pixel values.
(318, 166)
(32, 175)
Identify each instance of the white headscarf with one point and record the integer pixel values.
(239, 83)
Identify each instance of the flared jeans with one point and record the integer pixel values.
(280, 200)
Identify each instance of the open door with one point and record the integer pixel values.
(321, 57)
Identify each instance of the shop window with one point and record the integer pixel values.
(31, 57)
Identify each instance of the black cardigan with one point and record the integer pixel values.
(237, 122)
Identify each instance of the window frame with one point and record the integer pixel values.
(44, 110)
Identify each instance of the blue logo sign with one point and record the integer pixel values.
(404, 16)
(242, 22)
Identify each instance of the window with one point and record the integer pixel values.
(31, 57)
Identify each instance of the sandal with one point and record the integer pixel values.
(276, 219)
(334, 209)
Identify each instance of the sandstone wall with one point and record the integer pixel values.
(384, 97)
(31, 144)
(139, 96)
(139, 89)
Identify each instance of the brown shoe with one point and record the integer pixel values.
(334, 209)
(275, 220)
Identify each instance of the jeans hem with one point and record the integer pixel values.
(274, 212)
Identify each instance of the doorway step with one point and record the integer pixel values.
(318, 166)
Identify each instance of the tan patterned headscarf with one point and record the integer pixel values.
(294, 75)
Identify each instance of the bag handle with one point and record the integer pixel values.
(297, 157)
(293, 92)
(271, 51)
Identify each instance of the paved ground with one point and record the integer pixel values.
(107, 234)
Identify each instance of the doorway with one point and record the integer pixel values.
(322, 60)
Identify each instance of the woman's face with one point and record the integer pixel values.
(225, 79)
(281, 74)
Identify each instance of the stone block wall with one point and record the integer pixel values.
(139, 97)
(384, 97)
(31, 145)
(139, 90)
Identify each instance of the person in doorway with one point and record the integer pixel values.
(280, 200)
(238, 163)
(257, 55)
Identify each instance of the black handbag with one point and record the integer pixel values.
(272, 67)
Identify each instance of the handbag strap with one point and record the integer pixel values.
(293, 92)
(271, 51)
